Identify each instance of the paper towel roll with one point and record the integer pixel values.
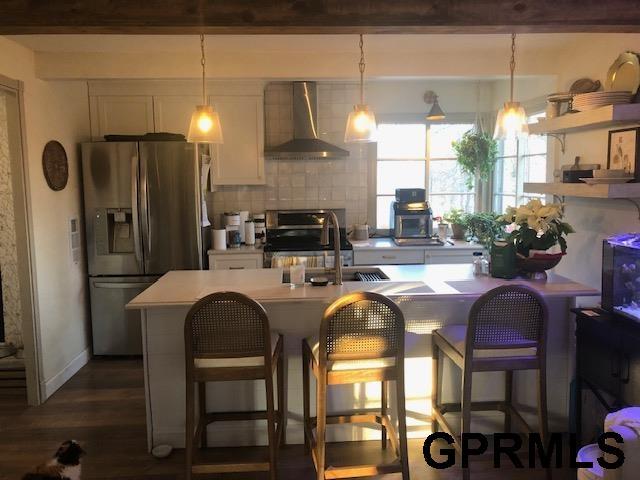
(249, 232)
(220, 239)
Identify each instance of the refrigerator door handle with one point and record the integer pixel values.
(122, 286)
(135, 213)
(144, 220)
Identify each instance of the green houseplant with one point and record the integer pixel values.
(476, 153)
(457, 218)
(485, 227)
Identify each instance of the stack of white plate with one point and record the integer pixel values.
(590, 101)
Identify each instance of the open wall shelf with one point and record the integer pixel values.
(603, 117)
(618, 190)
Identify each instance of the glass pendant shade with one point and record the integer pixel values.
(361, 126)
(205, 126)
(511, 122)
(436, 112)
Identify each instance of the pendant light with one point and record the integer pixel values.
(205, 122)
(512, 119)
(361, 124)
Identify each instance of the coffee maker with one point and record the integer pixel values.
(411, 218)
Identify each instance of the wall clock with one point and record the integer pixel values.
(55, 165)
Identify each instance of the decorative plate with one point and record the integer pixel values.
(55, 165)
(606, 181)
(624, 73)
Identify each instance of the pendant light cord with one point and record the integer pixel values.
(202, 62)
(512, 64)
(361, 67)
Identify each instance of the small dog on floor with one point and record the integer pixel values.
(65, 464)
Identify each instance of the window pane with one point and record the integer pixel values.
(536, 144)
(402, 141)
(400, 174)
(535, 169)
(383, 210)
(506, 171)
(441, 204)
(442, 135)
(445, 176)
(501, 202)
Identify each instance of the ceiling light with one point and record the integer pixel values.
(361, 124)
(512, 119)
(205, 122)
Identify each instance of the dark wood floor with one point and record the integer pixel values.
(103, 408)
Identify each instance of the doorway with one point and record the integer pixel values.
(17, 325)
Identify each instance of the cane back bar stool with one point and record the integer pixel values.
(506, 332)
(361, 340)
(227, 338)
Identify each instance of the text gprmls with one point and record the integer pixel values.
(507, 445)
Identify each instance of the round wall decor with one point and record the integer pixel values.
(55, 165)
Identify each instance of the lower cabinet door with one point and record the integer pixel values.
(630, 370)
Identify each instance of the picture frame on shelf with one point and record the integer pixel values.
(623, 151)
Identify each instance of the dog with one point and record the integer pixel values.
(65, 464)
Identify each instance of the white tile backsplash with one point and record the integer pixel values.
(340, 183)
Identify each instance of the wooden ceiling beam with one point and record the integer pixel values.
(317, 16)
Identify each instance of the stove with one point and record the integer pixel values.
(293, 236)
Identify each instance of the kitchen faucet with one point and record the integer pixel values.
(324, 240)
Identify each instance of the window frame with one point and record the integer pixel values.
(454, 118)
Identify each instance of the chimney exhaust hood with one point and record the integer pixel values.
(305, 142)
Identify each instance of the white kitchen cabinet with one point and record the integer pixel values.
(172, 113)
(434, 256)
(121, 114)
(234, 261)
(398, 256)
(240, 159)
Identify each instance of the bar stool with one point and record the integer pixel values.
(227, 338)
(361, 340)
(506, 332)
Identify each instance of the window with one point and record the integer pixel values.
(447, 183)
(404, 151)
(519, 162)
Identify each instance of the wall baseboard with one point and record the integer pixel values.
(49, 387)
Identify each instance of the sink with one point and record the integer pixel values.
(348, 274)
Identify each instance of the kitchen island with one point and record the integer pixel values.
(430, 296)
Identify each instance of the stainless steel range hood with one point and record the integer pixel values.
(305, 142)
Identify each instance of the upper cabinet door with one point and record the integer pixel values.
(240, 159)
(122, 114)
(172, 113)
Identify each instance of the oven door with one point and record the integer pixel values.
(319, 259)
(412, 226)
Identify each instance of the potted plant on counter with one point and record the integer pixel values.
(485, 227)
(537, 231)
(457, 218)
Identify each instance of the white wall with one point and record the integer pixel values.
(53, 111)
(595, 219)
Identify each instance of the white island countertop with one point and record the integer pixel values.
(181, 288)
(387, 243)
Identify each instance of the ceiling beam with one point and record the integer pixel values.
(317, 16)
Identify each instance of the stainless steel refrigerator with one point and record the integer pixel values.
(142, 206)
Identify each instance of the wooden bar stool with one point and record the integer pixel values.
(361, 340)
(506, 331)
(227, 338)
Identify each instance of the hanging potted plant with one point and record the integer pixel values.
(476, 153)
(537, 230)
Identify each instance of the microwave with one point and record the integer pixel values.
(411, 220)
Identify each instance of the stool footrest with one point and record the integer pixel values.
(205, 468)
(362, 470)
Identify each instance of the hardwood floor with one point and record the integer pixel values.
(103, 408)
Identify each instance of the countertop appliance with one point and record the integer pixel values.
(294, 236)
(411, 218)
(142, 218)
(305, 142)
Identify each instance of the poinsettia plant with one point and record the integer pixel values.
(536, 226)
